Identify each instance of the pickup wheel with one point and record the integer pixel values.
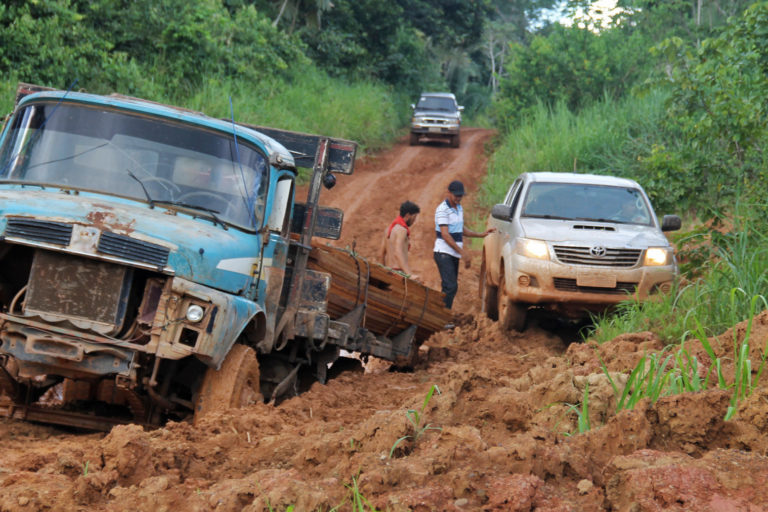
(414, 139)
(234, 385)
(488, 295)
(512, 315)
(455, 141)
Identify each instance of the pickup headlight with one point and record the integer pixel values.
(533, 248)
(656, 256)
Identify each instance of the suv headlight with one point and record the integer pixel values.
(657, 256)
(533, 248)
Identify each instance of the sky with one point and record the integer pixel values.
(605, 7)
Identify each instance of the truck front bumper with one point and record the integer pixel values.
(577, 289)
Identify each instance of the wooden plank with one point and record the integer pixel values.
(393, 302)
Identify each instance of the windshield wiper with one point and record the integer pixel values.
(146, 192)
(211, 211)
(554, 217)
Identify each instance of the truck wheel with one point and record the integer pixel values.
(512, 315)
(234, 385)
(414, 139)
(455, 141)
(488, 295)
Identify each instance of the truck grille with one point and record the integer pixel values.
(584, 256)
(132, 249)
(89, 293)
(58, 233)
(569, 285)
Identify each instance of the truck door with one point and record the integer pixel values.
(274, 256)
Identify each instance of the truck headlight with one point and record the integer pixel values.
(195, 313)
(533, 248)
(656, 256)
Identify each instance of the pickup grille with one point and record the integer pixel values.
(569, 285)
(132, 249)
(584, 256)
(58, 233)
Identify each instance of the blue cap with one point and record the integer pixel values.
(456, 188)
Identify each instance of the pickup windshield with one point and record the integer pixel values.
(579, 201)
(151, 159)
(436, 103)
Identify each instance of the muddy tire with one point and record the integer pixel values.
(455, 141)
(512, 315)
(414, 140)
(488, 295)
(234, 385)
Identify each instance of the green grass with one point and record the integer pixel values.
(309, 102)
(603, 139)
(415, 417)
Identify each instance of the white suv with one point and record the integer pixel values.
(575, 244)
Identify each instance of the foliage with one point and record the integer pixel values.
(415, 417)
(717, 105)
(570, 65)
(127, 46)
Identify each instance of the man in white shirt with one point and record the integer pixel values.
(449, 245)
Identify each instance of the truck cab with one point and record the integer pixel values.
(140, 243)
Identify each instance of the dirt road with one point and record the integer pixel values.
(371, 199)
(501, 434)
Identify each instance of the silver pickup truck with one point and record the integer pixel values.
(436, 116)
(575, 244)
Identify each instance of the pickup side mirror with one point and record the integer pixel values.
(413, 107)
(461, 108)
(671, 223)
(501, 212)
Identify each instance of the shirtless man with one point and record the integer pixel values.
(394, 247)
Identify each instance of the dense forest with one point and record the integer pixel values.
(669, 93)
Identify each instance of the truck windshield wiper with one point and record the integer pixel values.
(554, 217)
(211, 211)
(146, 192)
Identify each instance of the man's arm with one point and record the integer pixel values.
(474, 234)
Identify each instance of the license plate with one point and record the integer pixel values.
(434, 129)
(596, 281)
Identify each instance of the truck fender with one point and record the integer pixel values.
(490, 250)
(506, 258)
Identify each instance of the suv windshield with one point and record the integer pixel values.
(136, 156)
(577, 201)
(436, 103)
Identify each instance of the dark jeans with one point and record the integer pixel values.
(449, 275)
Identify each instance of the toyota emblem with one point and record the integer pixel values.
(598, 251)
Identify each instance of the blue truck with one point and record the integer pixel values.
(153, 262)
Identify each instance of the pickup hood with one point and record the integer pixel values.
(436, 113)
(630, 236)
(197, 249)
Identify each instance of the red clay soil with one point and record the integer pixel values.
(501, 434)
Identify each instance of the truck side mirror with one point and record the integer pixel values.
(413, 107)
(501, 212)
(461, 108)
(671, 223)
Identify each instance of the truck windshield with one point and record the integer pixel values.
(142, 157)
(436, 103)
(579, 201)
